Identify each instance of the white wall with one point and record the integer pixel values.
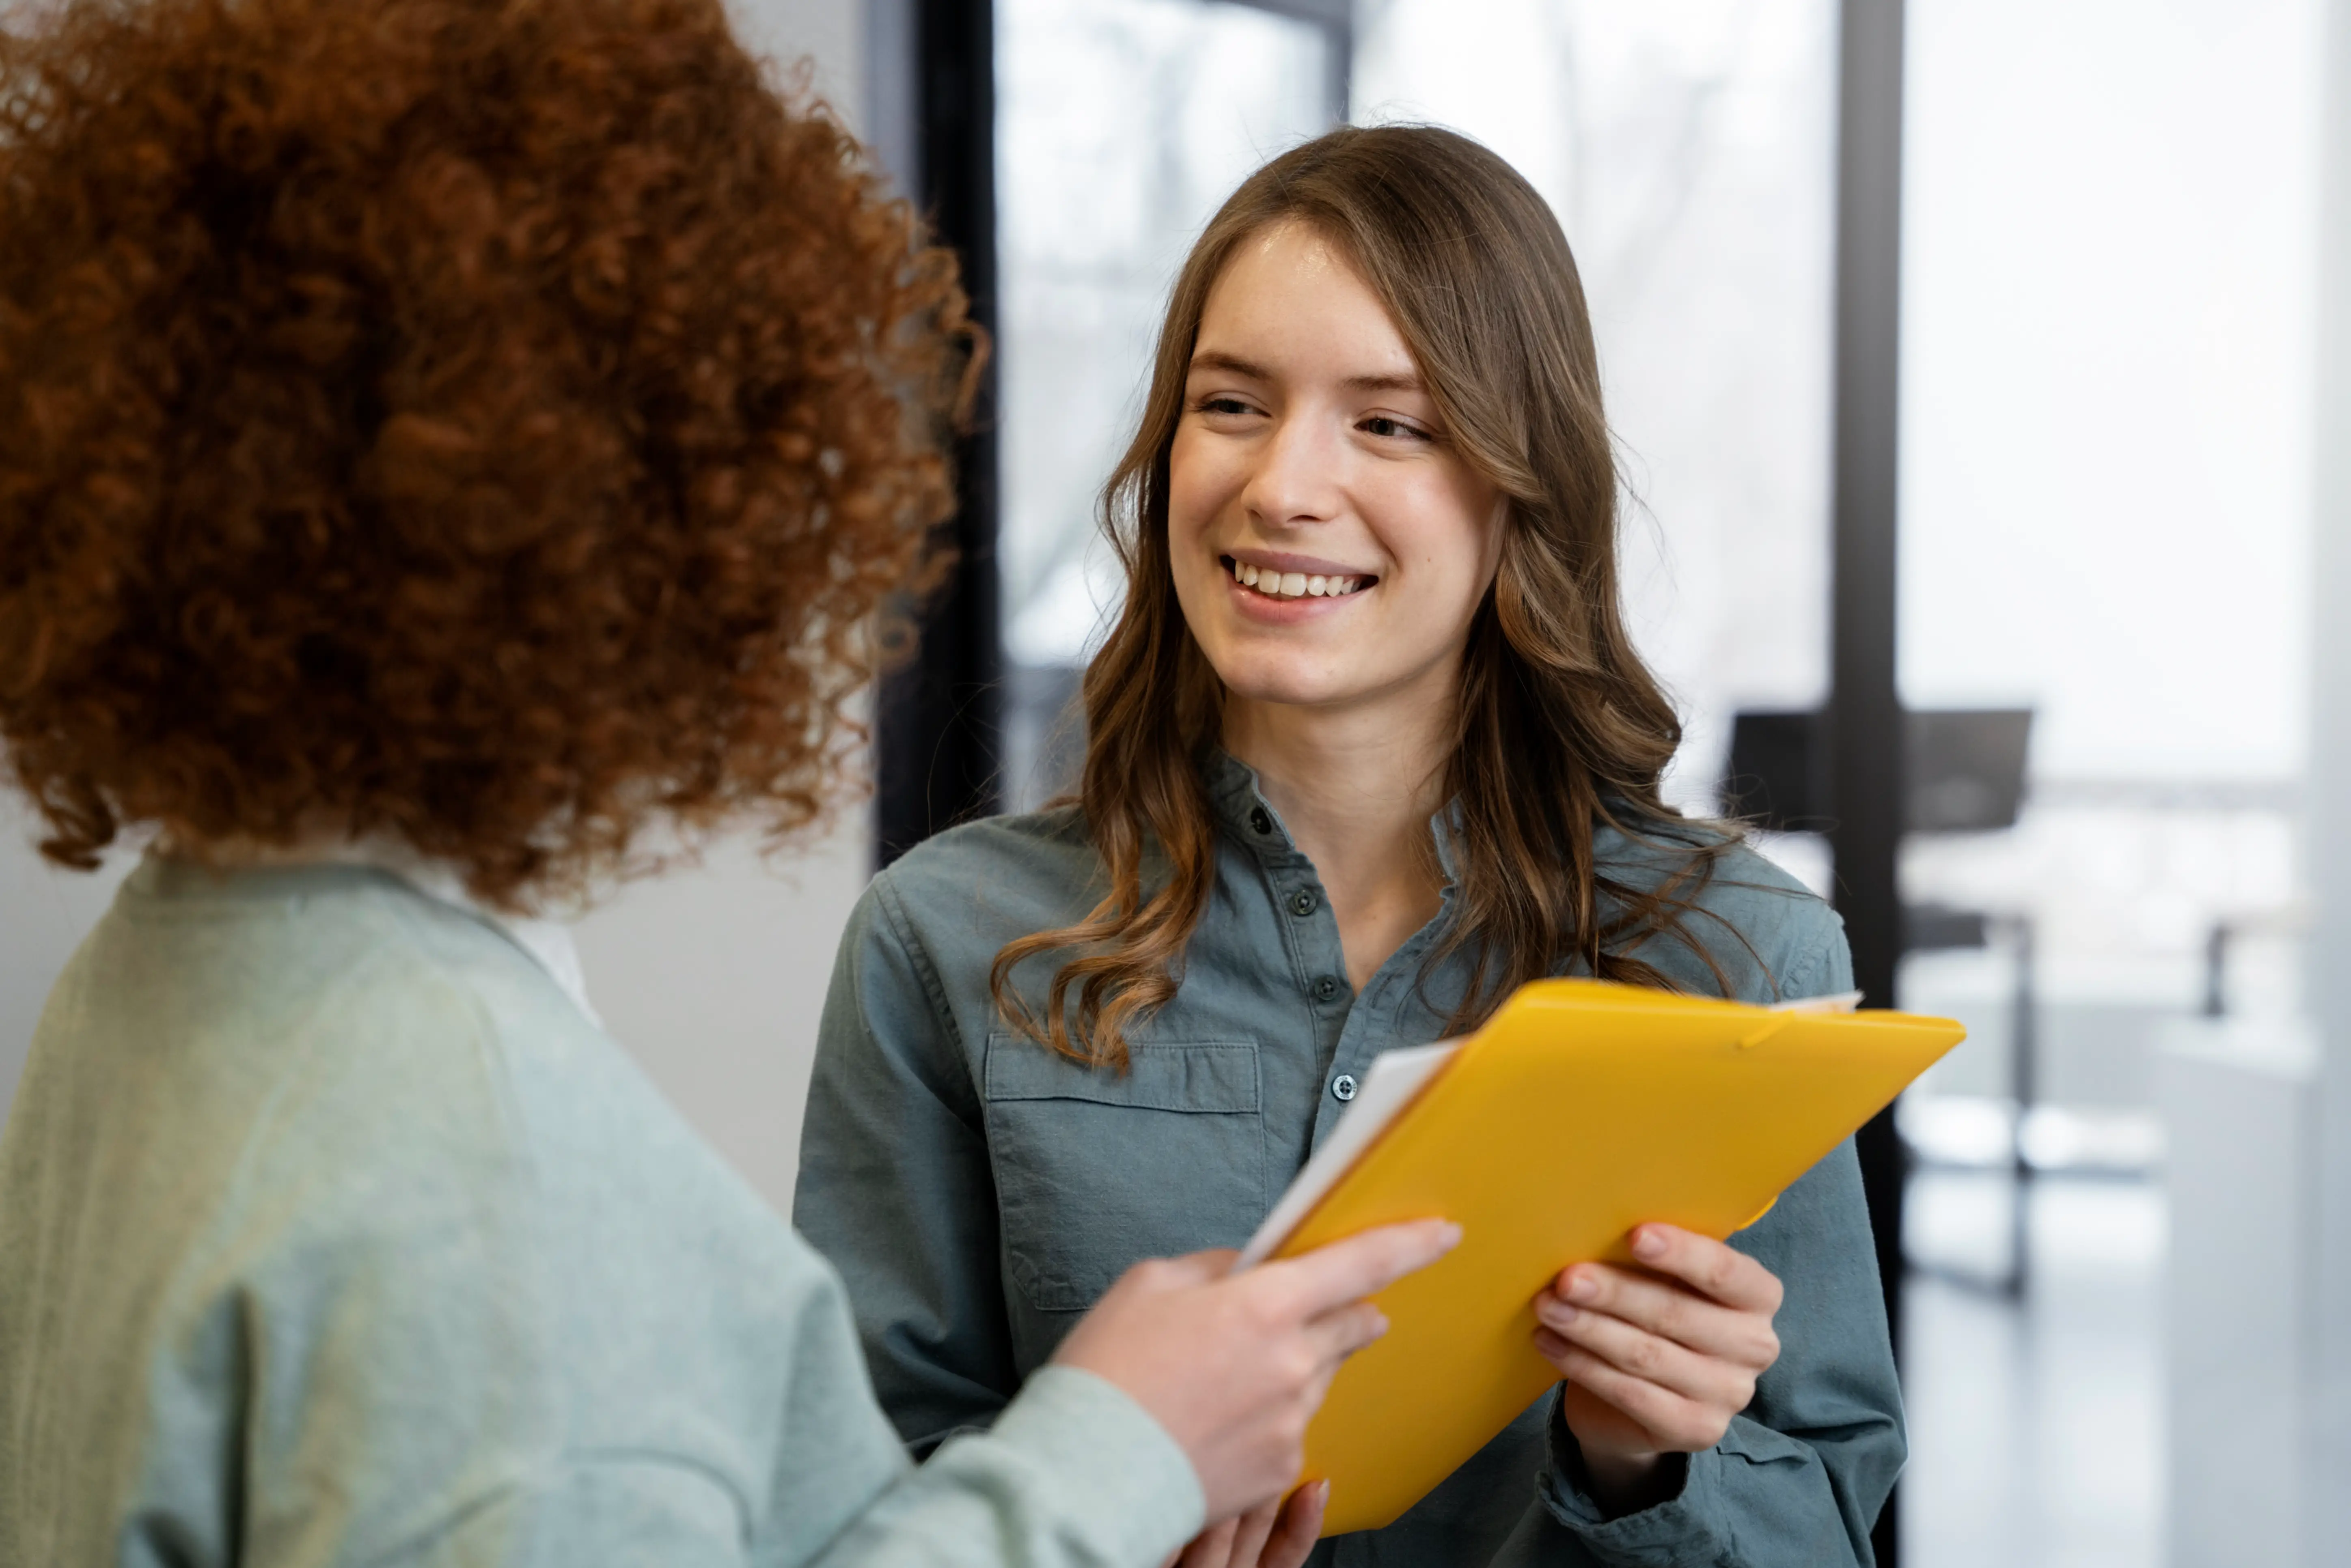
(2240, 1124)
(827, 35)
(2327, 1447)
(713, 976)
(43, 913)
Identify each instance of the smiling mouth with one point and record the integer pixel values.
(1294, 585)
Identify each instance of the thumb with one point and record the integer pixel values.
(1192, 1269)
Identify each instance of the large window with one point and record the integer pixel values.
(1121, 125)
(1687, 151)
(2106, 456)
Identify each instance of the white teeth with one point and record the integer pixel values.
(1293, 585)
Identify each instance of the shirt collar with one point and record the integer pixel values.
(1241, 806)
(543, 941)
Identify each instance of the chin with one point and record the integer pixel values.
(1270, 680)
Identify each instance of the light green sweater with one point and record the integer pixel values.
(332, 1233)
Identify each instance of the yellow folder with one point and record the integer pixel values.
(1580, 1110)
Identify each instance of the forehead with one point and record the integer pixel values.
(1294, 302)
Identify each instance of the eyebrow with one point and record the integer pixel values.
(1215, 359)
(1234, 363)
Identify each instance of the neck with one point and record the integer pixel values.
(1356, 788)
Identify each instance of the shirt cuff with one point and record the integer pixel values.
(1125, 1481)
(1684, 1528)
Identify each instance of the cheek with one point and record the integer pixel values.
(1194, 486)
(1446, 534)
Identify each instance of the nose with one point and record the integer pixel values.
(1296, 479)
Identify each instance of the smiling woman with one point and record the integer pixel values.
(1316, 824)
(1379, 349)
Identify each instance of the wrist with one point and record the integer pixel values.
(1620, 1480)
(1627, 1483)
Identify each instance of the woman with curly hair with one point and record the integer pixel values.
(1368, 746)
(444, 445)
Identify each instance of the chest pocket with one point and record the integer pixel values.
(1096, 1170)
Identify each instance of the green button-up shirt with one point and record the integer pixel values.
(978, 1193)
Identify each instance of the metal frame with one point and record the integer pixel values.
(931, 70)
(2325, 1439)
(1865, 724)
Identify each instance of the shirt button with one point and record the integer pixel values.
(1344, 1085)
(1260, 822)
(1301, 903)
(1325, 988)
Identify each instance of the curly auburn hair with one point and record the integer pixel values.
(492, 424)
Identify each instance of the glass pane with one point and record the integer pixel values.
(2107, 316)
(1120, 125)
(1689, 152)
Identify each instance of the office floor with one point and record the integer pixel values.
(2036, 1427)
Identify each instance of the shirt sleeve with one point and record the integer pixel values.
(1798, 1480)
(1075, 1475)
(1073, 1472)
(896, 1186)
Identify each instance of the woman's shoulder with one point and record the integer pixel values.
(1768, 935)
(426, 1173)
(995, 878)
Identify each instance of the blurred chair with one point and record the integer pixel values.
(1965, 770)
(1964, 773)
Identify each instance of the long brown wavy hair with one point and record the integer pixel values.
(1560, 726)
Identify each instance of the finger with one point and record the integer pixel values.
(1337, 1335)
(1707, 1266)
(1318, 1389)
(1640, 1353)
(1669, 1422)
(1212, 1548)
(1664, 1308)
(1250, 1532)
(1299, 1527)
(1353, 1269)
(1177, 1273)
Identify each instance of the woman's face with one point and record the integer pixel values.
(1330, 543)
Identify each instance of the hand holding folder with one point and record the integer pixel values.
(1658, 1360)
(1580, 1110)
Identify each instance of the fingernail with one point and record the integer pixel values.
(1321, 1491)
(1450, 1235)
(1581, 1287)
(1648, 1243)
(1558, 1312)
